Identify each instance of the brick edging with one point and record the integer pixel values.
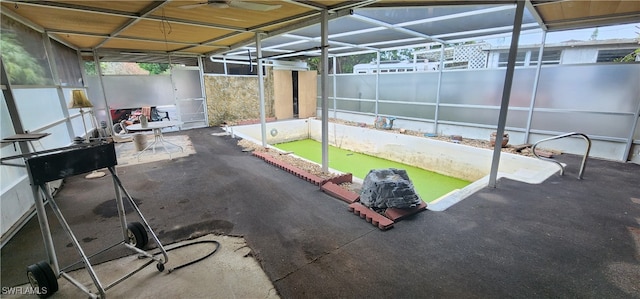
(371, 216)
(309, 177)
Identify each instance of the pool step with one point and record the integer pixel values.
(371, 216)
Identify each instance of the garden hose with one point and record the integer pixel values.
(196, 260)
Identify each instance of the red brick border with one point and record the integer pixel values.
(396, 214)
(332, 187)
(336, 191)
(345, 178)
(371, 216)
(309, 177)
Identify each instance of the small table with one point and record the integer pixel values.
(29, 138)
(157, 127)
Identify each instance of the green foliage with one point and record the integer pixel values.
(21, 67)
(90, 68)
(631, 57)
(155, 68)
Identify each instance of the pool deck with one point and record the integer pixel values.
(562, 238)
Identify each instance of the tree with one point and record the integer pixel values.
(155, 68)
(21, 67)
(594, 35)
(633, 56)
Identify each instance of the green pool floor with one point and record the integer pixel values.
(429, 185)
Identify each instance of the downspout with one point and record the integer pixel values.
(506, 93)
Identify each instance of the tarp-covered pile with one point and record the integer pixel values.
(388, 188)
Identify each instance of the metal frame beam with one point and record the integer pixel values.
(506, 93)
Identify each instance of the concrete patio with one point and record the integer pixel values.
(562, 238)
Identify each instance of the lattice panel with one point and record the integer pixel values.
(472, 54)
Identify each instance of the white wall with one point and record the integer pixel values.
(15, 192)
(573, 56)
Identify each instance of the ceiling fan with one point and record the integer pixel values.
(233, 3)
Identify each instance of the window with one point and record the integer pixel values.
(23, 54)
(613, 55)
(530, 57)
(504, 59)
(548, 57)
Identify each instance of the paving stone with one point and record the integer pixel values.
(396, 214)
(336, 191)
(371, 216)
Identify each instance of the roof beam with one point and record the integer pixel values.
(119, 13)
(529, 6)
(396, 28)
(488, 31)
(307, 4)
(317, 39)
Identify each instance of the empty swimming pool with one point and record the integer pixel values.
(446, 158)
(428, 184)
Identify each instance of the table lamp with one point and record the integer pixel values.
(79, 100)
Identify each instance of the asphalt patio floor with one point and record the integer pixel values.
(562, 238)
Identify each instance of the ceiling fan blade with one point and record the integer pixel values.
(190, 6)
(252, 5)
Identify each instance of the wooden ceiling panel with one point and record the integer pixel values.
(86, 24)
(134, 45)
(67, 20)
(174, 32)
(574, 9)
(230, 16)
(200, 49)
(233, 39)
(628, 6)
(128, 6)
(80, 41)
(603, 7)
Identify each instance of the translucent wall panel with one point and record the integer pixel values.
(582, 122)
(59, 137)
(484, 87)
(515, 118)
(78, 126)
(10, 175)
(38, 107)
(67, 64)
(138, 91)
(409, 87)
(355, 86)
(469, 115)
(23, 54)
(601, 87)
(357, 106)
(407, 110)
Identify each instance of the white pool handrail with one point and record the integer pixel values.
(584, 158)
